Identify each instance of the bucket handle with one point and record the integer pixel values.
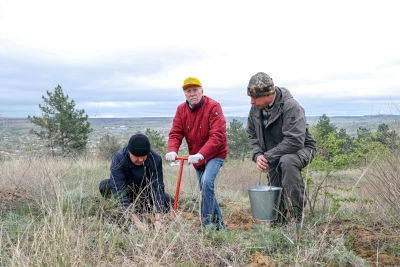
(259, 181)
(270, 186)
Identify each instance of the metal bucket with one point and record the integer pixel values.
(264, 201)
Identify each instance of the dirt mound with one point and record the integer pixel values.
(239, 217)
(259, 260)
(10, 197)
(370, 242)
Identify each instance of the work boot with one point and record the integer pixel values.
(296, 220)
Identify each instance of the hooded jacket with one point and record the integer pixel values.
(286, 132)
(203, 127)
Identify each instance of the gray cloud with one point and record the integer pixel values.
(26, 75)
(25, 78)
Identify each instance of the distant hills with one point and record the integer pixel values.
(349, 123)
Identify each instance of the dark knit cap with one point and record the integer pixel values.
(139, 145)
(260, 84)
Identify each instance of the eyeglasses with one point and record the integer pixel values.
(193, 90)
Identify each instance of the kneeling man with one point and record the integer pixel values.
(136, 179)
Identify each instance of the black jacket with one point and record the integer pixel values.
(146, 180)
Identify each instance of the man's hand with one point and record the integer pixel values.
(262, 163)
(159, 226)
(157, 222)
(171, 156)
(195, 158)
(138, 223)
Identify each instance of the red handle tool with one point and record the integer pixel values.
(178, 184)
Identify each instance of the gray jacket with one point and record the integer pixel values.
(286, 132)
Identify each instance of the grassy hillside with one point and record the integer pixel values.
(52, 214)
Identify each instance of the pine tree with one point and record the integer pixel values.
(238, 141)
(388, 138)
(324, 126)
(62, 127)
(157, 141)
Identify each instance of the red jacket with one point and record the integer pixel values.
(204, 129)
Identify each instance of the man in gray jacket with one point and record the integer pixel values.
(280, 141)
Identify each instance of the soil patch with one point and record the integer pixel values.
(11, 197)
(370, 242)
(239, 217)
(259, 260)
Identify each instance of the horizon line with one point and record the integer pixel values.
(229, 116)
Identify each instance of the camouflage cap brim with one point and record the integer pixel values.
(260, 91)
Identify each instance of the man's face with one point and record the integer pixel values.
(262, 102)
(193, 94)
(137, 160)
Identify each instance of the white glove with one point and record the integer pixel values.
(195, 158)
(171, 156)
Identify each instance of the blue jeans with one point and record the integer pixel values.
(210, 211)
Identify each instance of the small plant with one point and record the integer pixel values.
(108, 146)
(337, 200)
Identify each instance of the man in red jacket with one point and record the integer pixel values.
(201, 122)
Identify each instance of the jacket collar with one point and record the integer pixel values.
(278, 102)
(197, 106)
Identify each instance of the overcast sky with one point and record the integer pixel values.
(129, 58)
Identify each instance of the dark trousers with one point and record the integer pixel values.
(143, 201)
(287, 175)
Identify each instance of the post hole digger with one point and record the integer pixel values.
(206, 172)
(213, 219)
(178, 184)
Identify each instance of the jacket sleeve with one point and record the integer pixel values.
(176, 133)
(217, 133)
(117, 180)
(255, 146)
(158, 185)
(294, 127)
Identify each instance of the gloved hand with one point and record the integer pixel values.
(171, 156)
(195, 158)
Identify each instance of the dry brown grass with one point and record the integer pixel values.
(383, 184)
(61, 220)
